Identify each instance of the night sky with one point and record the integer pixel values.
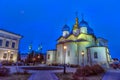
(41, 21)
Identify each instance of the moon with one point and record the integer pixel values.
(22, 12)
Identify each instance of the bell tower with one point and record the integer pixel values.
(76, 26)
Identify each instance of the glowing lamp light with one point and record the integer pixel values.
(38, 56)
(34, 59)
(65, 47)
(82, 53)
(8, 51)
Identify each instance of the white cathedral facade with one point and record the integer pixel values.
(79, 46)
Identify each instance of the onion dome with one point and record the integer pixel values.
(66, 28)
(83, 23)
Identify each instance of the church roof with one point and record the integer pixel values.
(73, 38)
(11, 32)
(66, 28)
(83, 23)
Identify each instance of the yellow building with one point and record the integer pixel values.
(9, 45)
(80, 46)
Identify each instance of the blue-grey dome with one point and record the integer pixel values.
(90, 30)
(83, 24)
(66, 28)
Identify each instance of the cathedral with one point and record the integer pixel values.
(79, 46)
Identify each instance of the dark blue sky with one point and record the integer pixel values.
(41, 20)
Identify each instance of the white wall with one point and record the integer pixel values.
(5, 51)
(6, 36)
(75, 49)
(65, 33)
(102, 55)
(83, 30)
(52, 57)
(60, 54)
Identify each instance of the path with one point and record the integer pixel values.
(112, 75)
(48, 75)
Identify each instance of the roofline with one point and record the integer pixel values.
(52, 50)
(96, 46)
(11, 32)
(102, 38)
(71, 41)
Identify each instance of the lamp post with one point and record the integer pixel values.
(65, 47)
(38, 59)
(83, 64)
(8, 55)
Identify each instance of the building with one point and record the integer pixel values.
(9, 45)
(34, 55)
(79, 46)
(23, 56)
(51, 56)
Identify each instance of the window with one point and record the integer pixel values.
(68, 53)
(95, 55)
(1, 42)
(5, 55)
(11, 56)
(13, 44)
(7, 44)
(48, 56)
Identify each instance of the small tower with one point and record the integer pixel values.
(65, 30)
(40, 48)
(76, 26)
(30, 47)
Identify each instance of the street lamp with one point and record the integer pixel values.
(8, 54)
(65, 47)
(38, 60)
(33, 61)
(38, 56)
(83, 64)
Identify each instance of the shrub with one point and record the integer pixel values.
(75, 77)
(115, 66)
(88, 71)
(4, 71)
(55, 64)
(98, 69)
(74, 66)
(79, 72)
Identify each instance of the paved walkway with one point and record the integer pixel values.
(42, 75)
(48, 75)
(112, 75)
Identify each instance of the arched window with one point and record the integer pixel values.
(68, 53)
(48, 56)
(7, 44)
(1, 41)
(95, 55)
(5, 55)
